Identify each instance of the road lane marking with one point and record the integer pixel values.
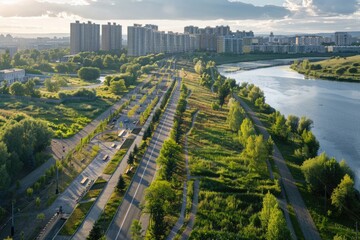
(142, 177)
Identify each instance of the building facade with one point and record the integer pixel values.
(84, 37)
(343, 39)
(12, 75)
(111, 37)
(229, 44)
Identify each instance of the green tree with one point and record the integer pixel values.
(51, 86)
(29, 192)
(131, 158)
(4, 177)
(343, 194)
(321, 172)
(292, 122)
(256, 154)
(5, 60)
(17, 89)
(118, 87)
(121, 184)
(255, 93)
(277, 229)
(170, 155)
(37, 202)
(108, 80)
(304, 124)
(311, 142)
(269, 203)
(40, 217)
(108, 62)
(159, 199)
(235, 115)
(246, 130)
(96, 232)
(280, 128)
(89, 73)
(136, 231)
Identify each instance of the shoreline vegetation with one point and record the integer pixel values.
(338, 68)
(326, 184)
(221, 59)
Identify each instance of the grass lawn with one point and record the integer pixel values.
(336, 68)
(230, 196)
(114, 162)
(76, 218)
(95, 189)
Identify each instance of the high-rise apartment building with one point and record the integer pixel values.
(111, 37)
(191, 30)
(136, 40)
(311, 40)
(84, 37)
(143, 40)
(343, 39)
(229, 44)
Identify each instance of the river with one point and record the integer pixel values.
(333, 106)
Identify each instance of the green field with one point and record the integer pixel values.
(336, 68)
(66, 119)
(230, 196)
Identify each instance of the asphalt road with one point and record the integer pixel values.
(97, 209)
(130, 210)
(305, 221)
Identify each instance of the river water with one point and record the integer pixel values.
(333, 106)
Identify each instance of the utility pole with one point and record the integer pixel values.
(12, 219)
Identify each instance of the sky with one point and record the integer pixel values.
(261, 16)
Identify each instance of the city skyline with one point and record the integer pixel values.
(279, 16)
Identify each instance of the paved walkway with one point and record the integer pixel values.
(95, 212)
(304, 218)
(186, 234)
(181, 219)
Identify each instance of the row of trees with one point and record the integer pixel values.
(256, 148)
(210, 78)
(21, 89)
(161, 195)
(20, 142)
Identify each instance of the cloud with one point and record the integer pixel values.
(146, 9)
(322, 7)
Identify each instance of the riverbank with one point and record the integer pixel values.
(252, 65)
(221, 59)
(338, 68)
(278, 89)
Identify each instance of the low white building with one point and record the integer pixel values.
(12, 75)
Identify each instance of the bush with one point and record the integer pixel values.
(353, 70)
(340, 71)
(89, 73)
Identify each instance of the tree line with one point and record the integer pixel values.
(21, 142)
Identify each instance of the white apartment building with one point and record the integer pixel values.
(12, 75)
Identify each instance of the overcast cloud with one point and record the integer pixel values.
(309, 14)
